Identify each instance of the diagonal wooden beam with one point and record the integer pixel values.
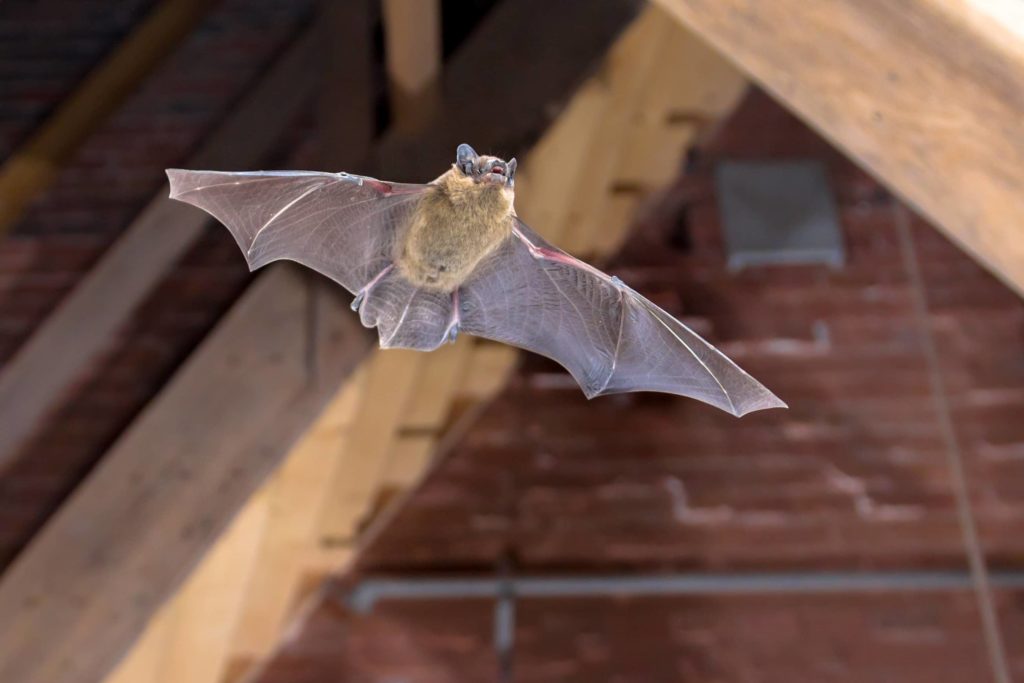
(412, 33)
(346, 105)
(102, 566)
(522, 84)
(926, 94)
(73, 602)
(36, 378)
(33, 167)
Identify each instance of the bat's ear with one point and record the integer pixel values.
(465, 154)
(512, 168)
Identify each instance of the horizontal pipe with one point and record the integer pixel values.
(367, 592)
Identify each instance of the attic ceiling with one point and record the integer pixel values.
(523, 477)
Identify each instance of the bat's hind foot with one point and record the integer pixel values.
(453, 325)
(361, 294)
(358, 301)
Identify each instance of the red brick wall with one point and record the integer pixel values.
(46, 47)
(905, 637)
(117, 171)
(421, 642)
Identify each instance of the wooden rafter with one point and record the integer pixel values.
(412, 32)
(33, 167)
(170, 484)
(37, 377)
(926, 94)
(380, 435)
(346, 105)
(142, 533)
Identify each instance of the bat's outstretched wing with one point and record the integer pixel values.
(341, 225)
(535, 296)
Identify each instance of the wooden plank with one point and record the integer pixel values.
(33, 167)
(144, 663)
(691, 86)
(439, 379)
(410, 456)
(412, 44)
(35, 379)
(389, 386)
(926, 94)
(558, 162)
(202, 619)
(684, 89)
(346, 102)
(76, 598)
(504, 85)
(627, 73)
(297, 494)
(185, 640)
(489, 369)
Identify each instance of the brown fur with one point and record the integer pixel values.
(457, 223)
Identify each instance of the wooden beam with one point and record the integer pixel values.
(298, 492)
(99, 570)
(347, 105)
(412, 38)
(195, 644)
(500, 94)
(36, 378)
(926, 94)
(33, 167)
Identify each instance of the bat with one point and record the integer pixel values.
(427, 262)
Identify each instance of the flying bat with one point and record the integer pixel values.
(427, 262)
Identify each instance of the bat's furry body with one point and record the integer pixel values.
(458, 222)
(426, 262)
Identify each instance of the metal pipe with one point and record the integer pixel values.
(367, 592)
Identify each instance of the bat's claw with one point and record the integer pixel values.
(453, 326)
(361, 296)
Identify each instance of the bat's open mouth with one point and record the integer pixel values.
(495, 175)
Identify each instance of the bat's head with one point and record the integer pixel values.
(483, 168)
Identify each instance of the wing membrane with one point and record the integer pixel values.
(610, 338)
(341, 225)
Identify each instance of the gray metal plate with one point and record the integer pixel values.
(778, 212)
